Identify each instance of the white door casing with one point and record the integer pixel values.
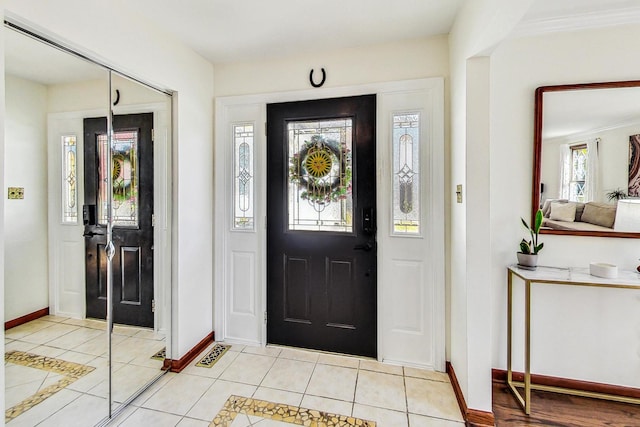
(411, 303)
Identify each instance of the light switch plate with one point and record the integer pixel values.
(16, 193)
(459, 193)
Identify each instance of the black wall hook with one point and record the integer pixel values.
(324, 77)
(117, 98)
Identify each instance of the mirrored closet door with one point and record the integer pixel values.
(87, 158)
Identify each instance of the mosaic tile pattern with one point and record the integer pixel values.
(285, 413)
(213, 356)
(161, 355)
(71, 371)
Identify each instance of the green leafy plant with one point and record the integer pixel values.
(531, 246)
(616, 194)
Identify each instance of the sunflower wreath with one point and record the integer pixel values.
(311, 168)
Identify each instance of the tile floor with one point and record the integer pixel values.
(355, 388)
(71, 382)
(252, 384)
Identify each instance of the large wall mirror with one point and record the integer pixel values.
(586, 173)
(69, 354)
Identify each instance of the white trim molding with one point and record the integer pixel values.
(577, 22)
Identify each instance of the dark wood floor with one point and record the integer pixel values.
(552, 409)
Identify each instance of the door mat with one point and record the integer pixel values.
(286, 414)
(161, 355)
(213, 356)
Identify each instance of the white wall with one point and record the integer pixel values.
(111, 32)
(479, 26)
(2, 186)
(346, 67)
(25, 221)
(588, 334)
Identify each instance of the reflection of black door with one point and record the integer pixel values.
(132, 175)
(321, 247)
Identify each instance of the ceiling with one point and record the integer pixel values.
(224, 31)
(578, 112)
(33, 60)
(240, 30)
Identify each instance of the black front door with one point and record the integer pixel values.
(132, 175)
(321, 245)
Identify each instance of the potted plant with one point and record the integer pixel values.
(528, 255)
(616, 195)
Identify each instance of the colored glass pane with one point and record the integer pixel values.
(243, 177)
(320, 175)
(406, 173)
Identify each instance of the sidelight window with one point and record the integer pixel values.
(243, 177)
(406, 173)
(69, 180)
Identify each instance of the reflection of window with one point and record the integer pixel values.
(406, 173)
(579, 171)
(69, 180)
(579, 168)
(243, 177)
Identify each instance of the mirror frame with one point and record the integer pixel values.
(537, 152)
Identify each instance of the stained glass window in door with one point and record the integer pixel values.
(320, 175)
(243, 177)
(124, 175)
(406, 173)
(69, 180)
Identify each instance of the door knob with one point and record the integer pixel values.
(367, 247)
(92, 233)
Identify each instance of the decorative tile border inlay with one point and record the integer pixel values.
(213, 356)
(285, 413)
(71, 371)
(161, 355)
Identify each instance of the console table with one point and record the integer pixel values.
(556, 276)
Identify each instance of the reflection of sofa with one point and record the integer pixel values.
(562, 214)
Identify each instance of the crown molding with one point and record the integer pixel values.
(577, 22)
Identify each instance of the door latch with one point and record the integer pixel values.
(367, 247)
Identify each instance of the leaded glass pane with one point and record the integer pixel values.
(320, 175)
(243, 177)
(69, 180)
(124, 175)
(406, 173)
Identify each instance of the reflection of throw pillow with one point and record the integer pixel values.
(599, 214)
(563, 212)
(546, 207)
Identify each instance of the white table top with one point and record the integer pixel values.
(576, 275)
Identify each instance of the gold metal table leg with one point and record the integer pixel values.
(509, 324)
(527, 347)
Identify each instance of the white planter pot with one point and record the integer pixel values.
(528, 260)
